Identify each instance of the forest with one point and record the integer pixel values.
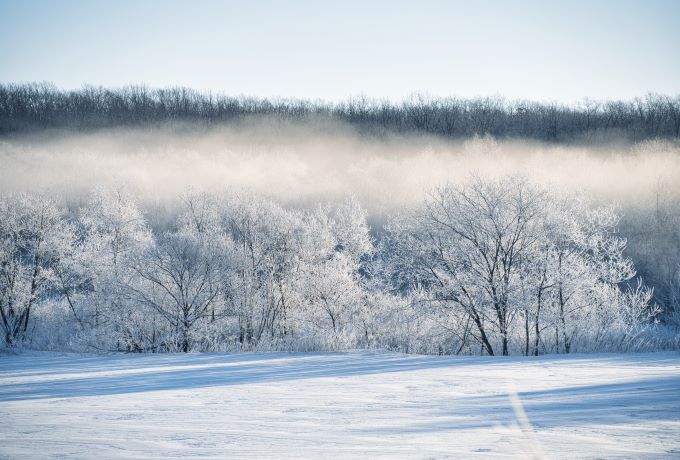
(169, 220)
(483, 267)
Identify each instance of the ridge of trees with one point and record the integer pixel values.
(35, 106)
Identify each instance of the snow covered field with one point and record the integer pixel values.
(358, 404)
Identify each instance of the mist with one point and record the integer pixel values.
(306, 163)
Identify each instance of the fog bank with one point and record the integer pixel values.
(300, 164)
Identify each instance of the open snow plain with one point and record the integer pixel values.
(338, 405)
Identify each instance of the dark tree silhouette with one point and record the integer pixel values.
(35, 106)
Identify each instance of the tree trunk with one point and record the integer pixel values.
(482, 333)
(537, 330)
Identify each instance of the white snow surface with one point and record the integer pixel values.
(338, 405)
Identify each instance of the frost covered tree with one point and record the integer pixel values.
(111, 229)
(259, 287)
(177, 278)
(33, 237)
(335, 246)
(587, 266)
(174, 283)
(464, 245)
(507, 262)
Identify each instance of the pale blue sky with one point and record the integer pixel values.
(561, 50)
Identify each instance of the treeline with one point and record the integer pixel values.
(491, 267)
(36, 106)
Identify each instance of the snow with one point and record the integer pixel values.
(338, 405)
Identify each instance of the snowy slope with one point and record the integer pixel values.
(361, 404)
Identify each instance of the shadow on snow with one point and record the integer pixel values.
(49, 375)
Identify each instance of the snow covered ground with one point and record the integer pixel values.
(359, 404)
